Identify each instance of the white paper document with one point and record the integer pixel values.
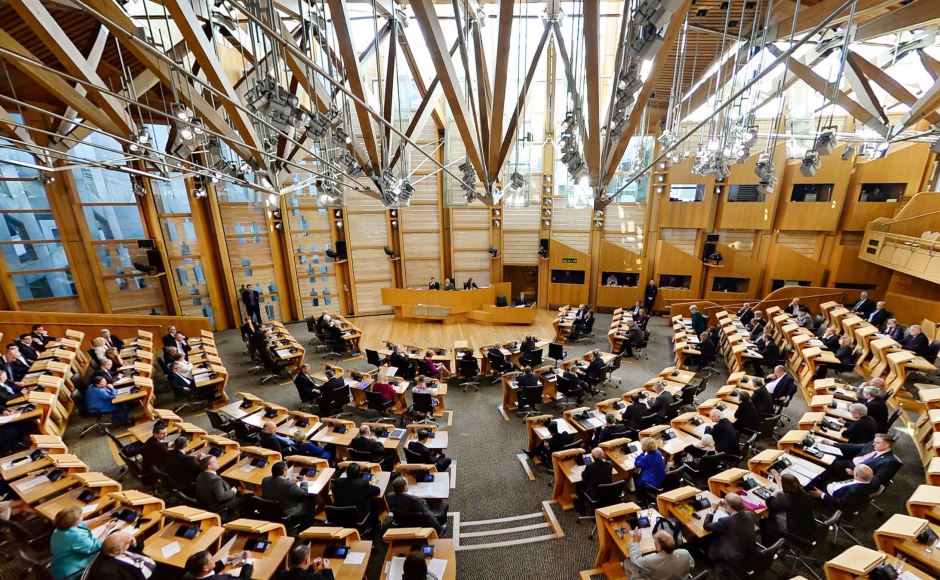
(170, 549)
(355, 558)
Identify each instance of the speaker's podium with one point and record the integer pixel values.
(489, 305)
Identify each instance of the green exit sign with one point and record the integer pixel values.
(569, 260)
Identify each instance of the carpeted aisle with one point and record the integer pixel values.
(490, 482)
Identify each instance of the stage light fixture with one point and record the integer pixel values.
(810, 164)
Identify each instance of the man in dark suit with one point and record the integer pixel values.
(571, 385)
(201, 566)
(763, 401)
(597, 473)
(707, 349)
(699, 320)
(155, 450)
(16, 365)
(757, 326)
(305, 384)
(303, 567)
(769, 352)
(649, 296)
(104, 370)
(399, 359)
(169, 339)
(663, 400)
(8, 389)
(780, 384)
(41, 337)
(894, 330)
(402, 502)
(366, 442)
(180, 344)
(420, 447)
(251, 298)
(848, 495)
(497, 359)
(527, 378)
(746, 313)
(557, 440)
(214, 493)
(181, 468)
(863, 428)
(634, 412)
(329, 388)
(594, 369)
(734, 536)
(916, 341)
(632, 337)
(879, 316)
(111, 340)
(27, 348)
(269, 438)
(877, 455)
(181, 384)
(292, 498)
(433, 284)
(115, 562)
(793, 308)
(863, 306)
(724, 434)
(611, 430)
(354, 491)
(872, 396)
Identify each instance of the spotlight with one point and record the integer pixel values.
(200, 192)
(45, 178)
(493, 252)
(764, 167)
(849, 151)
(139, 190)
(182, 112)
(825, 142)
(810, 164)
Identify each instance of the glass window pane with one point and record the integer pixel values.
(21, 194)
(45, 285)
(96, 185)
(22, 257)
(114, 222)
(170, 196)
(21, 227)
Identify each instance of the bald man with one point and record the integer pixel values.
(850, 494)
(271, 439)
(116, 563)
(665, 563)
(596, 473)
(724, 433)
(734, 537)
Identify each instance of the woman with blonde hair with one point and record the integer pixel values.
(100, 348)
(72, 545)
(652, 468)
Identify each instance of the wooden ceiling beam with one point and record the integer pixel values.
(931, 65)
(887, 82)
(57, 41)
(863, 91)
(500, 82)
(426, 16)
(508, 139)
(388, 104)
(484, 98)
(927, 103)
(809, 16)
(670, 37)
(14, 129)
(340, 19)
(915, 14)
(93, 58)
(592, 145)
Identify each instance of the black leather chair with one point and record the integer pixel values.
(528, 399)
(374, 358)
(422, 407)
(467, 371)
(556, 351)
(358, 455)
(347, 517)
(411, 456)
(533, 358)
(759, 563)
(376, 403)
(220, 423)
(607, 495)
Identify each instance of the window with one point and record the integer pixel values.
(812, 192)
(855, 286)
(686, 192)
(567, 276)
(625, 279)
(675, 281)
(777, 284)
(745, 193)
(725, 284)
(309, 226)
(880, 192)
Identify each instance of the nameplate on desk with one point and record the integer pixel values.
(284, 352)
(36, 481)
(171, 549)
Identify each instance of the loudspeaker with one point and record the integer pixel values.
(543, 247)
(341, 250)
(708, 250)
(155, 260)
(146, 244)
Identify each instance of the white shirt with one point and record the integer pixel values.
(142, 563)
(773, 384)
(835, 486)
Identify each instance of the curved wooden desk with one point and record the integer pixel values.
(455, 305)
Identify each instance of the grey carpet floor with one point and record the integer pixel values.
(490, 482)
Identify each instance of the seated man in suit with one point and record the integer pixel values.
(830, 339)
(497, 359)
(470, 284)
(433, 284)
(595, 368)
(762, 399)
(180, 344)
(707, 348)
(105, 367)
(27, 347)
(449, 284)
(666, 562)
(631, 337)
(181, 384)
(420, 447)
(111, 340)
(863, 307)
(571, 384)
(155, 451)
(271, 439)
(581, 324)
(557, 440)
(872, 396)
(724, 434)
(527, 344)
(527, 378)
(8, 389)
(863, 428)
(520, 300)
(780, 385)
(302, 567)
(746, 313)
(116, 562)
(663, 400)
(214, 493)
(611, 430)
(366, 442)
(399, 359)
(41, 337)
(182, 469)
(848, 495)
(879, 316)
(354, 491)
(305, 385)
(757, 325)
(635, 411)
(329, 388)
(734, 537)
(877, 455)
(402, 502)
(746, 418)
(769, 352)
(894, 330)
(916, 341)
(169, 339)
(14, 362)
(598, 472)
(292, 497)
(201, 566)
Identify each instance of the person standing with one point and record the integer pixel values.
(649, 296)
(251, 298)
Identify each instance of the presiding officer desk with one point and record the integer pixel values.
(456, 305)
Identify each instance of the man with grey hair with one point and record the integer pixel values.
(699, 320)
(850, 494)
(734, 537)
(863, 428)
(879, 315)
(115, 561)
(916, 341)
(872, 395)
(666, 563)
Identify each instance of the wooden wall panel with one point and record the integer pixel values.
(560, 294)
(625, 225)
(684, 240)
(912, 299)
(522, 218)
(249, 252)
(904, 163)
(369, 298)
(678, 214)
(470, 218)
(580, 241)
(784, 263)
(370, 265)
(803, 243)
(740, 240)
(421, 245)
(521, 248)
(672, 261)
(418, 271)
(736, 264)
(756, 215)
(368, 235)
(367, 230)
(614, 258)
(847, 268)
(819, 215)
(420, 218)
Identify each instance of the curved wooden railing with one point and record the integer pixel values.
(810, 296)
(16, 322)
